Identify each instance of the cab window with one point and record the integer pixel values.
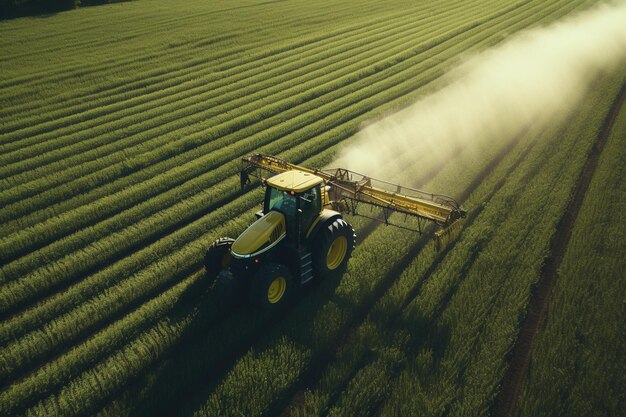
(311, 205)
(284, 202)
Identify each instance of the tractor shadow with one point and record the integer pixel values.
(220, 333)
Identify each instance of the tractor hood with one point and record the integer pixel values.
(260, 236)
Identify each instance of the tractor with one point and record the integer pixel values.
(301, 235)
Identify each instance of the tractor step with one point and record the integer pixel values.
(306, 267)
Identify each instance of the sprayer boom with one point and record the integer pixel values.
(347, 189)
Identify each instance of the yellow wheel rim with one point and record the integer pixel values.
(336, 252)
(276, 290)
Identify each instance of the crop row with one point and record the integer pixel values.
(581, 337)
(124, 155)
(61, 368)
(126, 17)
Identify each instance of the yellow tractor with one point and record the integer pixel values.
(300, 234)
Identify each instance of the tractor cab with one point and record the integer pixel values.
(297, 195)
(293, 203)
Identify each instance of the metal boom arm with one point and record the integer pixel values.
(353, 188)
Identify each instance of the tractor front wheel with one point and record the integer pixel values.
(217, 257)
(271, 286)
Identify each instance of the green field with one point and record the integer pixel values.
(122, 128)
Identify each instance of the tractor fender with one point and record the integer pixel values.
(325, 218)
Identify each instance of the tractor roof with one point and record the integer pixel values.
(294, 180)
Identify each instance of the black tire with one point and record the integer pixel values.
(217, 257)
(332, 248)
(271, 286)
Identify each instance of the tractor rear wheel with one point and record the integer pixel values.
(217, 257)
(332, 248)
(271, 286)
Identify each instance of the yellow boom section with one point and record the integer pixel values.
(404, 204)
(350, 188)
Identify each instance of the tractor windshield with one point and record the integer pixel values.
(284, 202)
(281, 200)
